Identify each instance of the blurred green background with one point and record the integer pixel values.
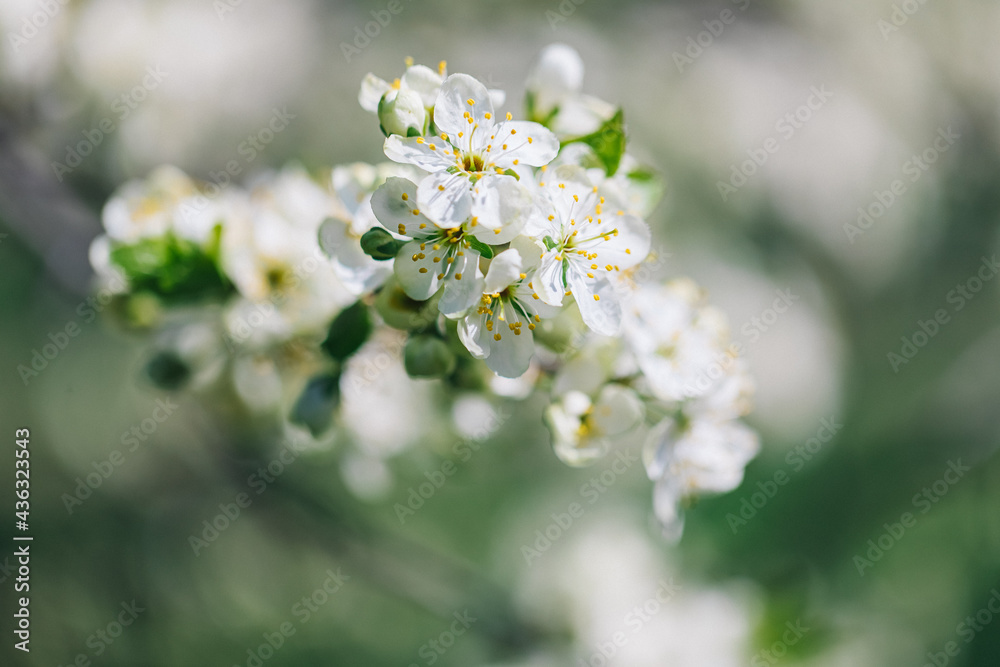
(704, 87)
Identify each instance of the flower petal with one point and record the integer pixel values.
(445, 198)
(372, 90)
(453, 102)
(504, 270)
(599, 305)
(430, 154)
(525, 142)
(500, 206)
(548, 282)
(463, 284)
(394, 203)
(417, 275)
(424, 81)
(509, 356)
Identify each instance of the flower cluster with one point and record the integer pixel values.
(508, 254)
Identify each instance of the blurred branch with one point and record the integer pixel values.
(44, 212)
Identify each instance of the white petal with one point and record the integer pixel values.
(666, 504)
(470, 332)
(501, 207)
(530, 251)
(395, 211)
(528, 143)
(617, 410)
(504, 270)
(510, 356)
(418, 151)
(602, 314)
(372, 90)
(498, 97)
(557, 74)
(463, 284)
(548, 281)
(453, 101)
(425, 82)
(445, 198)
(418, 285)
(625, 249)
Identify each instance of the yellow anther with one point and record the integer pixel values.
(415, 211)
(396, 84)
(487, 116)
(423, 225)
(628, 251)
(458, 276)
(441, 188)
(513, 131)
(423, 269)
(530, 140)
(405, 196)
(470, 102)
(497, 336)
(523, 276)
(597, 297)
(420, 140)
(496, 231)
(409, 61)
(442, 66)
(509, 117)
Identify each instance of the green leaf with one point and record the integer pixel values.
(317, 402)
(480, 247)
(608, 142)
(348, 331)
(379, 244)
(174, 269)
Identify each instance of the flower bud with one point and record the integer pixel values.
(402, 112)
(428, 356)
(379, 244)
